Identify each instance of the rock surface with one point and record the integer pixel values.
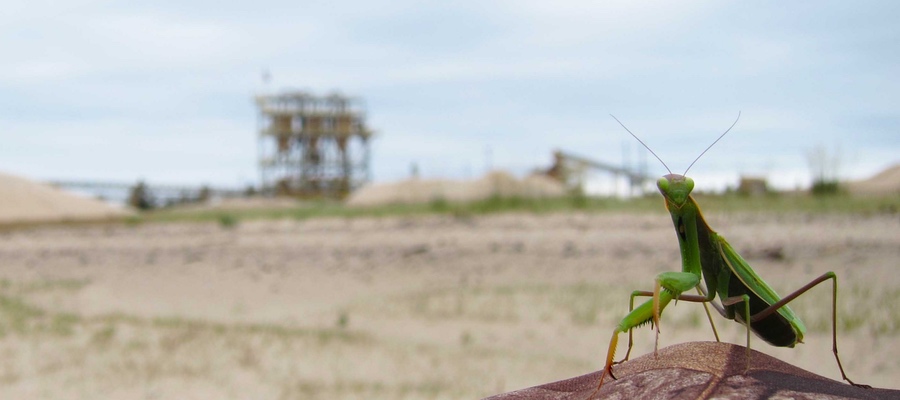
(702, 370)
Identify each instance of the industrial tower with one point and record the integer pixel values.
(312, 146)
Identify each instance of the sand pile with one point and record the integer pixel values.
(419, 191)
(24, 201)
(884, 183)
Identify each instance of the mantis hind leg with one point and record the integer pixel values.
(826, 276)
(787, 299)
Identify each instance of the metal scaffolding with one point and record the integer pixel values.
(312, 146)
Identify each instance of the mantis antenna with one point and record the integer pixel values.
(710, 146)
(648, 147)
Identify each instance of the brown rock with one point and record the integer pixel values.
(702, 370)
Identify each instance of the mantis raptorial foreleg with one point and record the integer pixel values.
(702, 298)
(674, 284)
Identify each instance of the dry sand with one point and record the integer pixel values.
(884, 183)
(23, 201)
(401, 307)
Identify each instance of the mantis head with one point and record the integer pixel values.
(675, 188)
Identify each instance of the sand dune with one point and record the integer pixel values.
(24, 201)
(886, 182)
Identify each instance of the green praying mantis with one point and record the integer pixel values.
(745, 297)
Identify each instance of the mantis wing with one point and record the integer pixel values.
(782, 328)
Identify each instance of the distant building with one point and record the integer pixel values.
(312, 146)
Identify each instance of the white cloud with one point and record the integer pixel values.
(445, 81)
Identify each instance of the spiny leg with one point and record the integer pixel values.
(826, 276)
(675, 283)
(703, 298)
(639, 316)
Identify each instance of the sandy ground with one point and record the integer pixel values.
(403, 307)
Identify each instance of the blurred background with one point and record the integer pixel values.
(294, 187)
(164, 91)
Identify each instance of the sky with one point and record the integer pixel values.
(162, 90)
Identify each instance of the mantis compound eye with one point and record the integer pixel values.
(663, 184)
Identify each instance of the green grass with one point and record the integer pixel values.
(437, 207)
(652, 203)
(801, 203)
(16, 316)
(777, 203)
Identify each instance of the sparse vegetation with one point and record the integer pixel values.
(825, 167)
(228, 221)
(825, 188)
(343, 320)
(649, 204)
(140, 197)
